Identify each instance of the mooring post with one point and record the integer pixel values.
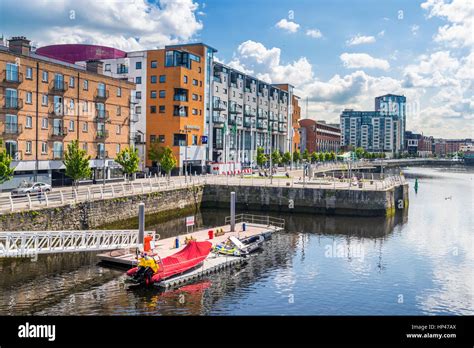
(141, 223)
(232, 211)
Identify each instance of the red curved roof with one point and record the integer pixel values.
(72, 53)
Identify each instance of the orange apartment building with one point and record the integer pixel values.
(45, 104)
(176, 103)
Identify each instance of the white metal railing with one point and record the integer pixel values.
(71, 195)
(257, 219)
(18, 244)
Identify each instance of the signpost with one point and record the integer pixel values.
(190, 222)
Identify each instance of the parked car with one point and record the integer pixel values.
(30, 188)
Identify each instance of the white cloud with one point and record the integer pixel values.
(289, 26)
(381, 33)
(128, 25)
(360, 39)
(460, 14)
(363, 60)
(314, 33)
(267, 65)
(435, 70)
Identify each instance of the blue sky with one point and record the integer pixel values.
(337, 53)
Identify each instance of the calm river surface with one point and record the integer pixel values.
(413, 264)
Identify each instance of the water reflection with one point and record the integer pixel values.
(417, 263)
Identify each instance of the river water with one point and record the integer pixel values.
(417, 263)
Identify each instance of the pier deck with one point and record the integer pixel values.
(166, 247)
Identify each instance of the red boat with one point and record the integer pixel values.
(192, 255)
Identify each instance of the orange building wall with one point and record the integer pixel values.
(166, 123)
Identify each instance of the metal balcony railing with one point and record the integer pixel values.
(56, 110)
(11, 78)
(219, 105)
(12, 104)
(218, 119)
(58, 87)
(59, 132)
(101, 115)
(101, 94)
(12, 130)
(102, 134)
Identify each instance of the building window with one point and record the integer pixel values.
(195, 140)
(195, 112)
(29, 73)
(45, 76)
(119, 92)
(85, 127)
(138, 110)
(85, 107)
(119, 110)
(162, 109)
(138, 65)
(199, 69)
(185, 79)
(29, 97)
(138, 95)
(44, 148)
(117, 148)
(217, 88)
(29, 122)
(162, 94)
(195, 82)
(152, 138)
(84, 147)
(195, 96)
(28, 147)
(108, 67)
(225, 90)
(179, 140)
(71, 125)
(85, 85)
(180, 110)
(161, 138)
(118, 129)
(162, 78)
(153, 109)
(72, 81)
(153, 78)
(138, 80)
(71, 106)
(154, 64)
(44, 100)
(153, 94)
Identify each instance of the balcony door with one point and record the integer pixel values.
(12, 72)
(59, 81)
(11, 124)
(11, 147)
(11, 98)
(58, 150)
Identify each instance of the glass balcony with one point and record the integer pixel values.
(59, 132)
(218, 119)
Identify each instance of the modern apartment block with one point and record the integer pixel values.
(376, 131)
(205, 111)
(318, 136)
(47, 103)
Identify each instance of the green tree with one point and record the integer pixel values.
(76, 162)
(314, 157)
(286, 157)
(168, 161)
(128, 158)
(327, 156)
(261, 157)
(6, 173)
(332, 156)
(306, 156)
(155, 153)
(359, 152)
(296, 156)
(276, 158)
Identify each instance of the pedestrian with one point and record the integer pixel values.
(40, 195)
